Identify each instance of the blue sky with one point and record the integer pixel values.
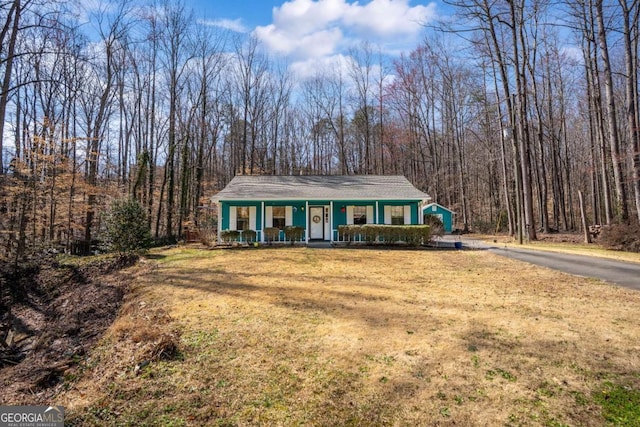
(312, 34)
(250, 13)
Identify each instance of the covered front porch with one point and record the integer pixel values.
(309, 220)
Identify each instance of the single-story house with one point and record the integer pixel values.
(318, 204)
(444, 214)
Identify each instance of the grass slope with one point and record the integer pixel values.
(298, 336)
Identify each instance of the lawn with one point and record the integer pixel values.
(295, 336)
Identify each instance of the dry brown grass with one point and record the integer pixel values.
(297, 336)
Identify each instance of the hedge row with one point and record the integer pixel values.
(293, 233)
(370, 233)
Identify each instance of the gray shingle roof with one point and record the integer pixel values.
(355, 187)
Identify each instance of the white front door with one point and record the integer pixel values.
(316, 222)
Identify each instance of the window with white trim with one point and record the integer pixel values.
(359, 215)
(279, 217)
(397, 215)
(242, 218)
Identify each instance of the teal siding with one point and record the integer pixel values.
(299, 211)
(225, 213)
(340, 212)
(415, 208)
(299, 214)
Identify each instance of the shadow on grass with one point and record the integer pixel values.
(342, 297)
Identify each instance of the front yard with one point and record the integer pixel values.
(296, 336)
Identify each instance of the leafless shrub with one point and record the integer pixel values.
(621, 237)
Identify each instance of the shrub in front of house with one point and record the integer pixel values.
(271, 234)
(369, 233)
(389, 234)
(293, 233)
(417, 234)
(345, 232)
(437, 227)
(229, 236)
(249, 236)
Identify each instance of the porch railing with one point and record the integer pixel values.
(253, 236)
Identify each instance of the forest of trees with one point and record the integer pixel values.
(505, 116)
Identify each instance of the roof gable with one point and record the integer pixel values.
(426, 207)
(316, 187)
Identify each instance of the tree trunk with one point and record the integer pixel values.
(583, 216)
(622, 212)
(522, 124)
(16, 10)
(631, 86)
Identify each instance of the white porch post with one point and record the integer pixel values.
(262, 222)
(306, 222)
(377, 216)
(331, 221)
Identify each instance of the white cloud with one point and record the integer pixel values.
(573, 53)
(389, 17)
(304, 16)
(235, 25)
(306, 29)
(333, 65)
(304, 45)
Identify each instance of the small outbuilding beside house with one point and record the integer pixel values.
(444, 214)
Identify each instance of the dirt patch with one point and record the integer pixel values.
(51, 315)
(574, 238)
(561, 237)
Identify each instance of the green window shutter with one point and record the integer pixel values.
(233, 218)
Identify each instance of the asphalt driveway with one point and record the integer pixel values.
(621, 273)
